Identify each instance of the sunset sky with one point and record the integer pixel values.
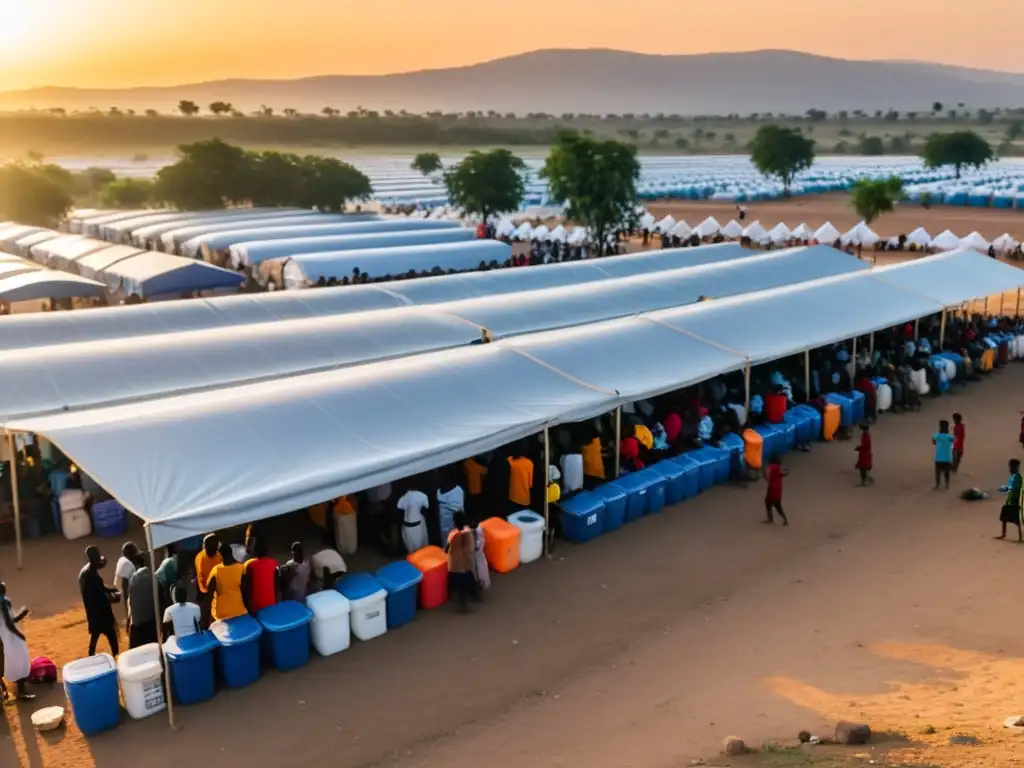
(117, 43)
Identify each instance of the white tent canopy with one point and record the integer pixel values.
(1004, 243)
(803, 232)
(732, 230)
(974, 240)
(946, 241)
(756, 232)
(860, 235)
(681, 230)
(665, 225)
(708, 227)
(920, 238)
(826, 233)
(779, 233)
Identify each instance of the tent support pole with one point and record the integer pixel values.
(618, 442)
(917, 329)
(986, 307)
(807, 373)
(746, 386)
(1002, 297)
(1016, 312)
(160, 628)
(853, 362)
(18, 557)
(547, 481)
(942, 331)
(871, 346)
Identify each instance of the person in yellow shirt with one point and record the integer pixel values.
(476, 473)
(593, 463)
(207, 559)
(225, 584)
(520, 481)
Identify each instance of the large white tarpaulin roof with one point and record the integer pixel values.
(46, 284)
(954, 277)
(30, 330)
(81, 375)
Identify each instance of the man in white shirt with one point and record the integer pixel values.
(124, 570)
(182, 618)
(326, 566)
(414, 526)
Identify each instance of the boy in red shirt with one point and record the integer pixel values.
(864, 455)
(773, 497)
(959, 438)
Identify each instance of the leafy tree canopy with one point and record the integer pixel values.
(958, 149)
(427, 163)
(127, 193)
(31, 195)
(781, 152)
(208, 175)
(221, 108)
(873, 198)
(328, 184)
(188, 108)
(486, 183)
(596, 179)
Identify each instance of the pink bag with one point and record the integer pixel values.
(42, 670)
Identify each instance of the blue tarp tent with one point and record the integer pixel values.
(152, 273)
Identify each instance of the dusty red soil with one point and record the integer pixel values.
(890, 604)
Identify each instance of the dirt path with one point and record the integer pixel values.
(645, 648)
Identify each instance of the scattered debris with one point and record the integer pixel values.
(1016, 722)
(852, 733)
(733, 746)
(928, 730)
(964, 741)
(804, 737)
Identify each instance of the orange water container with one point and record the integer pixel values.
(501, 544)
(753, 449)
(830, 421)
(432, 562)
(988, 360)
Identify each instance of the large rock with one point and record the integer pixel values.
(733, 747)
(852, 733)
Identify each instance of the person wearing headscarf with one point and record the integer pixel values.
(1012, 512)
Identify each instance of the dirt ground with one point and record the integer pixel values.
(891, 605)
(815, 210)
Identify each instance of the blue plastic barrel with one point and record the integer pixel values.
(691, 476)
(92, 689)
(239, 651)
(286, 633)
(675, 477)
(614, 499)
(190, 659)
(583, 517)
(401, 579)
(109, 519)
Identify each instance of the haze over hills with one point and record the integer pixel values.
(591, 81)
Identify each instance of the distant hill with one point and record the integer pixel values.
(591, 81)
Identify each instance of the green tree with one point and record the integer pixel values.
(329, 184)
(330, 112)
(873, 198)
(152, 113)
(596, 180)
(781, 152)
(276, 179)
(188, 108)
(872, 145)
(427, 163)
(208, 174)
(127, 193)
(290, 112)
(1015, 130)
(221, 108)
(936, 107)
(486, 183)
(958, 149)
(30, 196)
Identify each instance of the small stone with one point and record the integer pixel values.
(1016, 722)
(733, 746)
(963, 741)
(852, 733)
(928, 730)
(515, 642)
(804, 737)
(697, 762)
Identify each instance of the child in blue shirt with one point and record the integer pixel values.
(943, 442)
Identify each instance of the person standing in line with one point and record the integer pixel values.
(959, 440)
(209, 557)
(15, 663)
(123, 571)
(864, 455)
(414, 524)
(1012, 512)
(182, 618)
(773, 496)
(943, 442)
(460, 548)
(225, 585)
(295, 575)
(97, 598)
(261, 578)
(142, 612)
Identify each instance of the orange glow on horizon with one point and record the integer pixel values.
(122, 43)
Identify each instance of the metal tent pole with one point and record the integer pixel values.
(547, 481)
(871, 346)
(618, 441)
(917, 327)
(807, 373)
(160, 629)
(1016, 313)
(746, 384)
(18, 558)
(942, 331)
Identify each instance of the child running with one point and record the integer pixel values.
(959, 438)
(864, 456)
(773, 497)
(943, 442)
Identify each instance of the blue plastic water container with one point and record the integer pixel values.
(109, 519)
(286, 633)
(691, 476)
(859, 406)
(772, 437)
(92, 689)
(614, 499)
(655, 489)
(815, 420)
(801, 423)
(722, 463)
(239, 651)
(635, 485)
(788, 435)
(845, 403)
(401, 579)
(190, 659)
(733, 445)
(582, 517)
(705, 468)
(674, 476)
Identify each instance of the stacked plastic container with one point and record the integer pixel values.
(614, 499)
(192, 670)
(238, 653)
(368, 599)
(286, 633)
(583, 517)
(91, 688)
(401, 580)
(432, 563)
